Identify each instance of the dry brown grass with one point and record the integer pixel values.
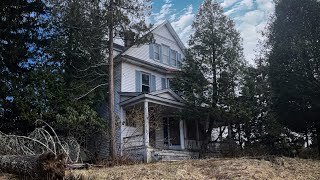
(236, 168)
(219, 168)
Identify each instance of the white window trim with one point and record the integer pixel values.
(164, 59)
(175, 58)
(154, 51)
(149, 84)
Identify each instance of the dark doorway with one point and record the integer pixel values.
(171, 131)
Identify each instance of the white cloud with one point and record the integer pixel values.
(251, 18)
(254, 17)
(247, 3)
(164, 11)
(183, 24)
(228, 3)
(265, 5)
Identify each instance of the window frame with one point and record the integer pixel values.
(168, 82)
(157, 46)
(165, 58)
(149, 83)
(174, 57)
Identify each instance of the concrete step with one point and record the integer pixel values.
(172, 155)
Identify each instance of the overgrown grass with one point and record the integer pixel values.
(269, 167)
(222, 168)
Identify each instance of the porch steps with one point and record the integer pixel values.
(173, 155)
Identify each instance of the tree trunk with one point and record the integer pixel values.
(111, 88)
(318, 139)
(206, 140)
(44, 166)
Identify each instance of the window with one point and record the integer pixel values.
(168, 82)
(179, 64)
(145, 83)
(157, 51)
(165, 54)
(173, 58)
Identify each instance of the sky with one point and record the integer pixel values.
(250, 16)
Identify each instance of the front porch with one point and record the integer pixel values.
(152, 130)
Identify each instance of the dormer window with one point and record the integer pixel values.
(157, 51)
(173, 58)
(165, 54)
(145, 83)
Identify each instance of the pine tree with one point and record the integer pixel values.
(215, 56)
(86, 33)
(293, 40)
(22, 44)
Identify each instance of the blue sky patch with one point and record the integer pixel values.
(250, 16)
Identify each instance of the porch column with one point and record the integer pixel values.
(122, 120)
(146, 123)
(181, 133)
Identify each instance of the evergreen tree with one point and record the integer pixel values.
(293, 40)
(84, 45)
(215, 59)
(22, 45)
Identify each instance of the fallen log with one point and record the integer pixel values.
(78, 166)
(44, 166)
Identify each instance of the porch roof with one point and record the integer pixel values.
(164, 97)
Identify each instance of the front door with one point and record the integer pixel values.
(171, 132)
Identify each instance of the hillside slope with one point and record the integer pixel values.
(219, 168)
(231, 168)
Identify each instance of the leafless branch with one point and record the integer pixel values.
(84, 95)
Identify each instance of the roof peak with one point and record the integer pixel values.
(172, 31)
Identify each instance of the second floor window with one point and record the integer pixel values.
(157, 51)
(165, 54)
(145, 83)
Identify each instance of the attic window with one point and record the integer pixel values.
(157, 51)
(169, 80)
(173, 58)
(165, 54)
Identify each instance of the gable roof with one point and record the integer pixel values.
(168, 91)
(155, 97)
(172, 32)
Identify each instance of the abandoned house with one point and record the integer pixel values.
(148, 124)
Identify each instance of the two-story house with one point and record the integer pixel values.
(149, 127)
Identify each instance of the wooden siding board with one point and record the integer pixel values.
(128, 77)
(161, 36)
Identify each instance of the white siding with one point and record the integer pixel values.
(128, 82)
(161, 36)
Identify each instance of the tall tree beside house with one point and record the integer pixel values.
(257, 127)
(127, 22)
(77, 49)
(86, 31)
(294, 61)
(215, 56)
(22, 44)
